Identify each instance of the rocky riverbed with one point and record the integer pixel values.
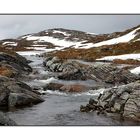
(64, 96)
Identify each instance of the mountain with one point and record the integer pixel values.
(66, 43)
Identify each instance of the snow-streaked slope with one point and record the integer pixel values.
(80, 44)
(135, 70)
(121, 39)
(122, 57)
(58, 42)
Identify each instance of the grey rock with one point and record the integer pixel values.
(6, 121)
(123, 100)
(74, 70)
(18, 64)
(14, 93)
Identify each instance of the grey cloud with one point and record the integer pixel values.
(12, 26)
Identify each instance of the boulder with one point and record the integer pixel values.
(14, 93)
(74, 88)
(73, 75)
(53, 86)
(15, 63)
(55, 64)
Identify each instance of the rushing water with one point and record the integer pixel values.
(58, 108)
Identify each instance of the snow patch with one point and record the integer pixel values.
(29, 53)
(25, 36)
(10, 43)
(135, 70)
(122, 57)
(38, 45)
(60, 32)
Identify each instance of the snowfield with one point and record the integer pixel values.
(122, 57)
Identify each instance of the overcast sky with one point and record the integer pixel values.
(12, 26)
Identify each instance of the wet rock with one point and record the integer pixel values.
(74, 88)
(6, 121)
(123, 100)
(92, 101)
(52, 86)
(73, 75)
(52, 64)
(67, 88)
(14, 93)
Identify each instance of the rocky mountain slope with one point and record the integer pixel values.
(72, 38)
(77, 44)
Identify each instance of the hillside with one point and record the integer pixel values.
(66, 43)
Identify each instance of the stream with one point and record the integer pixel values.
(59, 108)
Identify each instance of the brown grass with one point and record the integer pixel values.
(7, 51)
(94, 53)
(128, 61)
(4, 71)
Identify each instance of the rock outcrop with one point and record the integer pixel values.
(74, 70)
(13, 65)
(122, 101)
(14, 93)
